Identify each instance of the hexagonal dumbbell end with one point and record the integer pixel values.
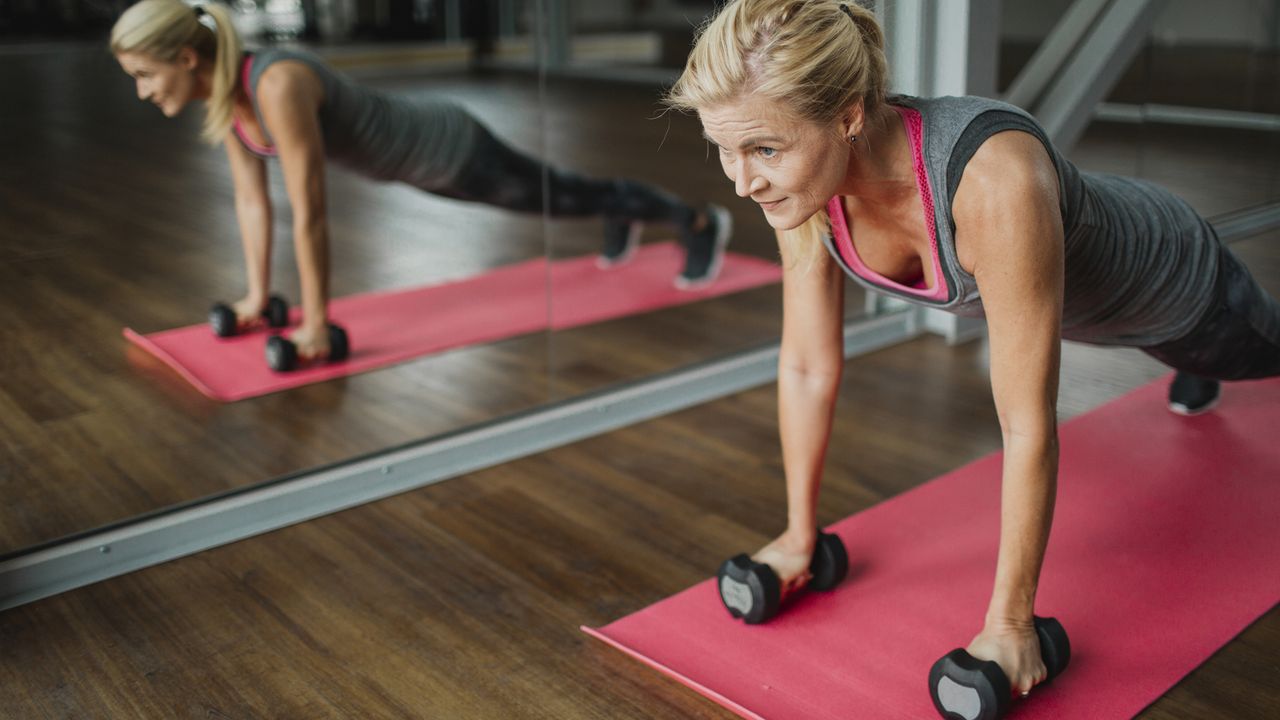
(222, 319)
(830, 563)
(276, 313)
(748, 589)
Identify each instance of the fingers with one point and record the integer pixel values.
(1023, 686)
(798, 581)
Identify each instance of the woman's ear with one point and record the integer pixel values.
(853, 119)
(188, 59)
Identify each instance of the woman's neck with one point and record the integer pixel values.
(880, 169)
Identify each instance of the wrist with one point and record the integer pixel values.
(314, 323)
(1014, 609)
(800, 538)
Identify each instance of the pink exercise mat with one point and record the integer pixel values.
(1165, 545)
(391, 327)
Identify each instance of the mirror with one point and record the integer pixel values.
(118, 217)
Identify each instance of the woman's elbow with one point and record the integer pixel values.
(815, 374)
(310, 217)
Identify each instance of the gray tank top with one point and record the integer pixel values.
(423, 143)
(1140, 263)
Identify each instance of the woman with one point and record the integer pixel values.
(290, 105)
(961, 204)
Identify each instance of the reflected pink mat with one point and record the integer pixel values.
(395, 326)
(1165, 545)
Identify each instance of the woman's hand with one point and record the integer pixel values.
(312, 341)
(789, 556)
(249, 312)
(1015, 647)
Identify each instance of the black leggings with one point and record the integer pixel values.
(498, 175)
(1238, 339)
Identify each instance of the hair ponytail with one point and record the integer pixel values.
(226, 68)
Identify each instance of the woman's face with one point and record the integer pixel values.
(168, 85)
(790, 167)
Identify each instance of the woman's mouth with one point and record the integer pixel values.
(767, 206)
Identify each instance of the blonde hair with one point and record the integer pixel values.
(162, 28)
(815, 57)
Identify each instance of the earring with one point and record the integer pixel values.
(853, 139)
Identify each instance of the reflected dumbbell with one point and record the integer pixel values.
(282, 354)
(222, 317)
(965, 688)
(751, 590)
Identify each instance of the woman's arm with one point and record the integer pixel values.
(289, 97)
(1009, 234)
(253, 211)
(809, 367)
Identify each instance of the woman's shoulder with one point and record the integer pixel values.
(286, 65)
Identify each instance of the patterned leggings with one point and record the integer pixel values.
(1238, 339)
(499, 175)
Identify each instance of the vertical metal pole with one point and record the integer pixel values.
(506, 18)
(909, 34)
(966, 39)
(453, 21)
(556, 33)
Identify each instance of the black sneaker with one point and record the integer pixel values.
(704, 249)
(621, 238)
(1191, 394)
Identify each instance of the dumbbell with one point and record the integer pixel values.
(751, 590)
(222, 317)
(965, 688)
(282, 354)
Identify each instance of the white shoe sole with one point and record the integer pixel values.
(1180, 409)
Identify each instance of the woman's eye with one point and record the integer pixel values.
(766, 152)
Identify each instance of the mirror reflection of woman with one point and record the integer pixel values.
(289, 105)
(961, 204)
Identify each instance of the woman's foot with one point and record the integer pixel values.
(621, 238)
(704, 244)
(1191, 394)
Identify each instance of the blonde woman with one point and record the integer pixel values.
(961, 204)
(289, 105)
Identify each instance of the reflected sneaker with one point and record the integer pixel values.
(704, 249)
(621, 238)
(1191, 394)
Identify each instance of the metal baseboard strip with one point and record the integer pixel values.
(1246, 223)
(166, 535)
(1180, 115)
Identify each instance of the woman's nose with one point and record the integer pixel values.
(746, 183)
